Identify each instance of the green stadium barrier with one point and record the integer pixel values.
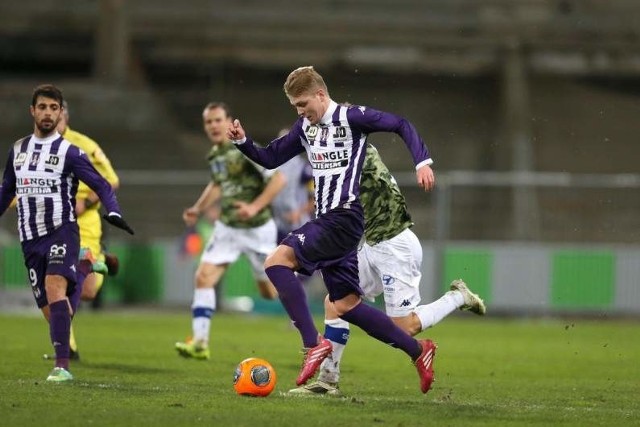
(14, 273)
(141, 276)
(473, 266)
(579, 279)
(582, 279)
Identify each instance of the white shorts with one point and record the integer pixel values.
(228, 243)
(392, 267)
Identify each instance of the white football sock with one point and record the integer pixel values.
(430, 314)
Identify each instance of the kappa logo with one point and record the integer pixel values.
(58, 251)
(405, 303)
(300, 237)
(388, 280)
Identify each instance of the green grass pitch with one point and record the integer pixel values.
(489, 372)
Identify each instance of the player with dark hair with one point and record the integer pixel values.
(42, 172)
(334, 138)
(245, 225)
(88, 216)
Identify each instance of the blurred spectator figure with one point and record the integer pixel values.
(293, 206)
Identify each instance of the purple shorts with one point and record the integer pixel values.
(330, 243)
(56, 253)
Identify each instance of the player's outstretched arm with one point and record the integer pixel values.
(279, 151)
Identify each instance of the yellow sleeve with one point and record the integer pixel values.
(97, 157)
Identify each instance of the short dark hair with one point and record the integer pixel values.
(218, 104)
(48, 91)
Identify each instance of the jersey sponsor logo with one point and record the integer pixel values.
(35, 158)
(388, 280)
(41, 182)
(28, 186)
(219, 167)
(311, 131)
(340, 132)
(330, 165)
(20, 159)
(58, 250)
(57, 253)
(29, 191)
(330, 159)
(53, 160)
(330, 155)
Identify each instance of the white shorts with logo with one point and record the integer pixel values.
(392, 267)
(228, 243)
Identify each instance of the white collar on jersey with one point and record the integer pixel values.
(328, 115)
(55, 135)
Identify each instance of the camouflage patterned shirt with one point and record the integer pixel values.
(385, 210)
(240, 180)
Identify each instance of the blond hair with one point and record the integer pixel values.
(303, 80)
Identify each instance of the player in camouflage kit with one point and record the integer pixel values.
(245, 191)
(389, 263)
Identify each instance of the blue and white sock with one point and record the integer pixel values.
(204, 304)
(337, 332)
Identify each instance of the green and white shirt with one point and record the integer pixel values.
(385, 209)
(240, 180)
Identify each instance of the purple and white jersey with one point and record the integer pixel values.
(43, 175)
(335, 148)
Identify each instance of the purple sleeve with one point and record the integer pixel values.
(8, 188)
(369, 120)
(278, 152)
(79, 164)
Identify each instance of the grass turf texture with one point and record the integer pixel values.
(489, 372)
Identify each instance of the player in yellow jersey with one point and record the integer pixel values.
(87, 210)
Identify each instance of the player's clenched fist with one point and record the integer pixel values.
(236, 132)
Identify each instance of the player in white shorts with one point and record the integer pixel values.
(389, 263)
(227, 243)
(392, 268)
(244, 191)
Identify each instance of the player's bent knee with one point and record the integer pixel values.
(346, 304)
(55, 287)
(283, 255)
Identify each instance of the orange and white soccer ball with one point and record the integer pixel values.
(254, 377)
